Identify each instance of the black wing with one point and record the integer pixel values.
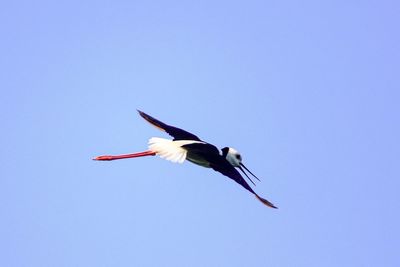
(223, 166)
(176, 133)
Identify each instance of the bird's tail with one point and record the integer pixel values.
(265, 202)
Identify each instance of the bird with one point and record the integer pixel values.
(187, 146)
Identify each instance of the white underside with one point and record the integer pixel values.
(169, 149)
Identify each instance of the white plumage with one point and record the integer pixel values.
(169, 149)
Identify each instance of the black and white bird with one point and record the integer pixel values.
(187, 146)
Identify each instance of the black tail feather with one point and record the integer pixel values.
(266, 202)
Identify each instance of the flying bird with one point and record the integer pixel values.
(187, 146)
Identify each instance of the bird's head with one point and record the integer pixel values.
(235, 159)
(232, 156)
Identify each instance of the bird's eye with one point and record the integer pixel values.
(238, 157)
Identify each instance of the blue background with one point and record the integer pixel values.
(307, 91)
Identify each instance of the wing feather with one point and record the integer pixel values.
(176, 133)
(223, 166)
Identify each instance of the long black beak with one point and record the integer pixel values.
(241, 164)
(240, 168)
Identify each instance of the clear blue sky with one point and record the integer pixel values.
(307, 91)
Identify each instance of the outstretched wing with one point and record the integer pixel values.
(223, 166)
(176, 133)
